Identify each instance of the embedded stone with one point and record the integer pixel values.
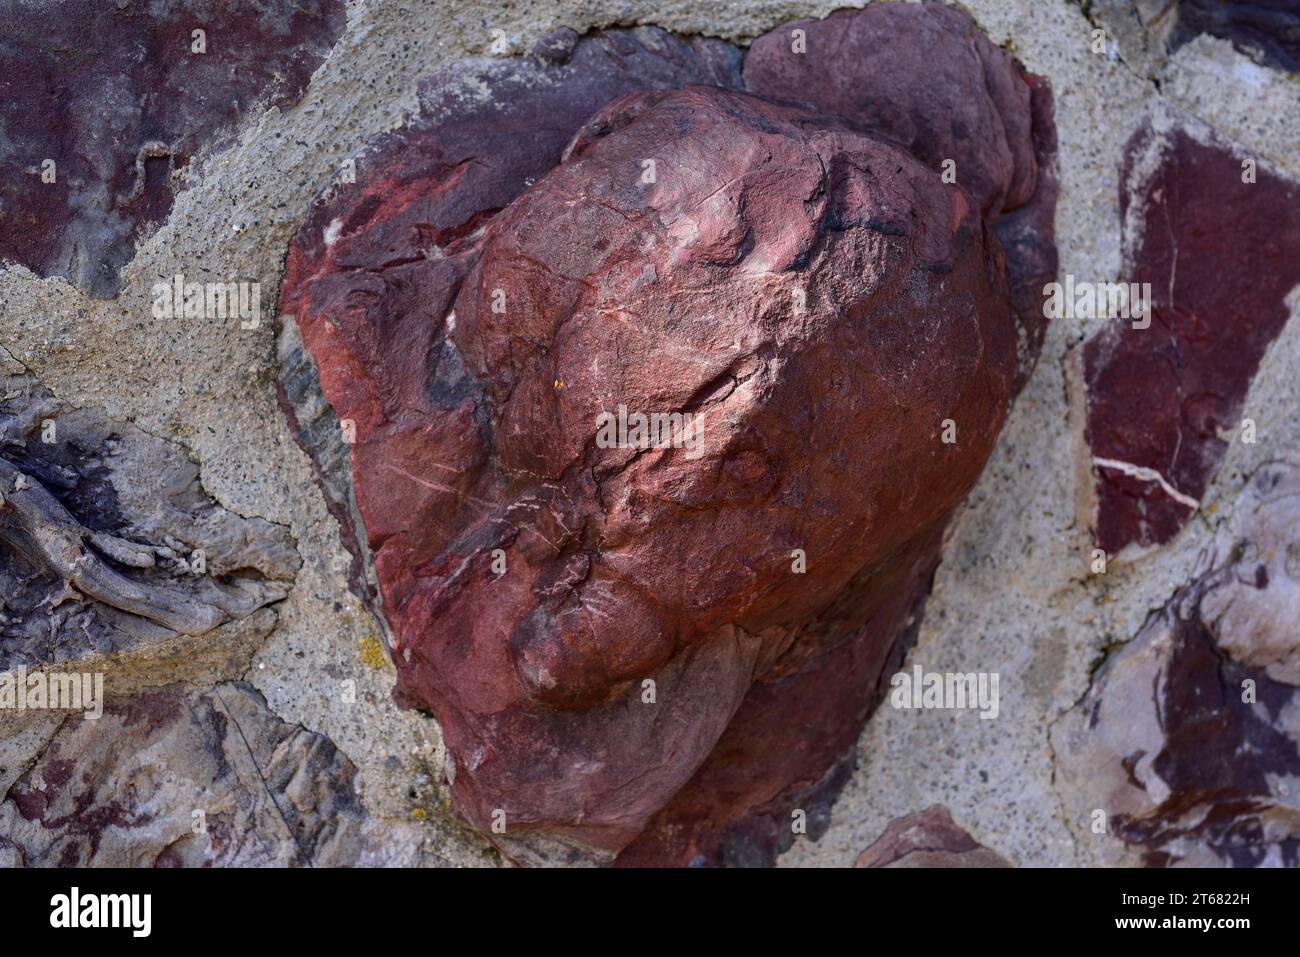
(104, 103)
(928, 838)
(1186, 749)
(981, 120)
(813, 304)
(114, 559)
(177, 778)
(1216, 236)
(361, 344)
(1267, 29)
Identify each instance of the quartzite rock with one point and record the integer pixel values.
(862, 66)
(113, 558)
(119, 97)
(1221, 255)
(423, 193)
(591, 624)
(978, 110)
(1188, 741)
(178, 778)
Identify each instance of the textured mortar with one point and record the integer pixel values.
(1013, 594)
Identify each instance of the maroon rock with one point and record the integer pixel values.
(1187, 740)
(928, 838)
(818, 295)
(974, 110)
(423, 194)
(1221, 255)
(114, 95)
(978, 109)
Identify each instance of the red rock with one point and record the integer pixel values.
(423, 194)
(114, 94)
(978, 108)
(928, 838)
(1221, 256)
(819, 295)
(974, 109)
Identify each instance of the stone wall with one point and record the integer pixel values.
(191, 510)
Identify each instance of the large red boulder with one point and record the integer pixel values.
(655, 648)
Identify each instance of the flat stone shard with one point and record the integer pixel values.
(112, 555)
(627, 646)
(178, 778)
(118, 97)
(928, 838)
(1221, 255)
(1188, 741)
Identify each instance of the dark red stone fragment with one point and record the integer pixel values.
(114, 95)
(928, 838)
(1221, 255)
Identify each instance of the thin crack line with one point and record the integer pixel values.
(269, 793)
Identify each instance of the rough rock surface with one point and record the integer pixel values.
(928, 838)
(1187, 746)
(1221, 255)
(120, 98)
(1013, 594)
(802, 285)
(113, 556)
(421, 197)
(1268, 29)
(177, 778)
(978, 110)
(974, 110)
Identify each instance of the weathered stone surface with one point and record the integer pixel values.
(973, 111)
(123, 790)
(1189, 739)
(1221, 256)
(115, 95)
(928, 838)
(486, 131)
(978, 110)
(1269, 29)
(817, 294)
(113, 558)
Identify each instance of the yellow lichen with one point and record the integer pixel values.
(372, 653)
